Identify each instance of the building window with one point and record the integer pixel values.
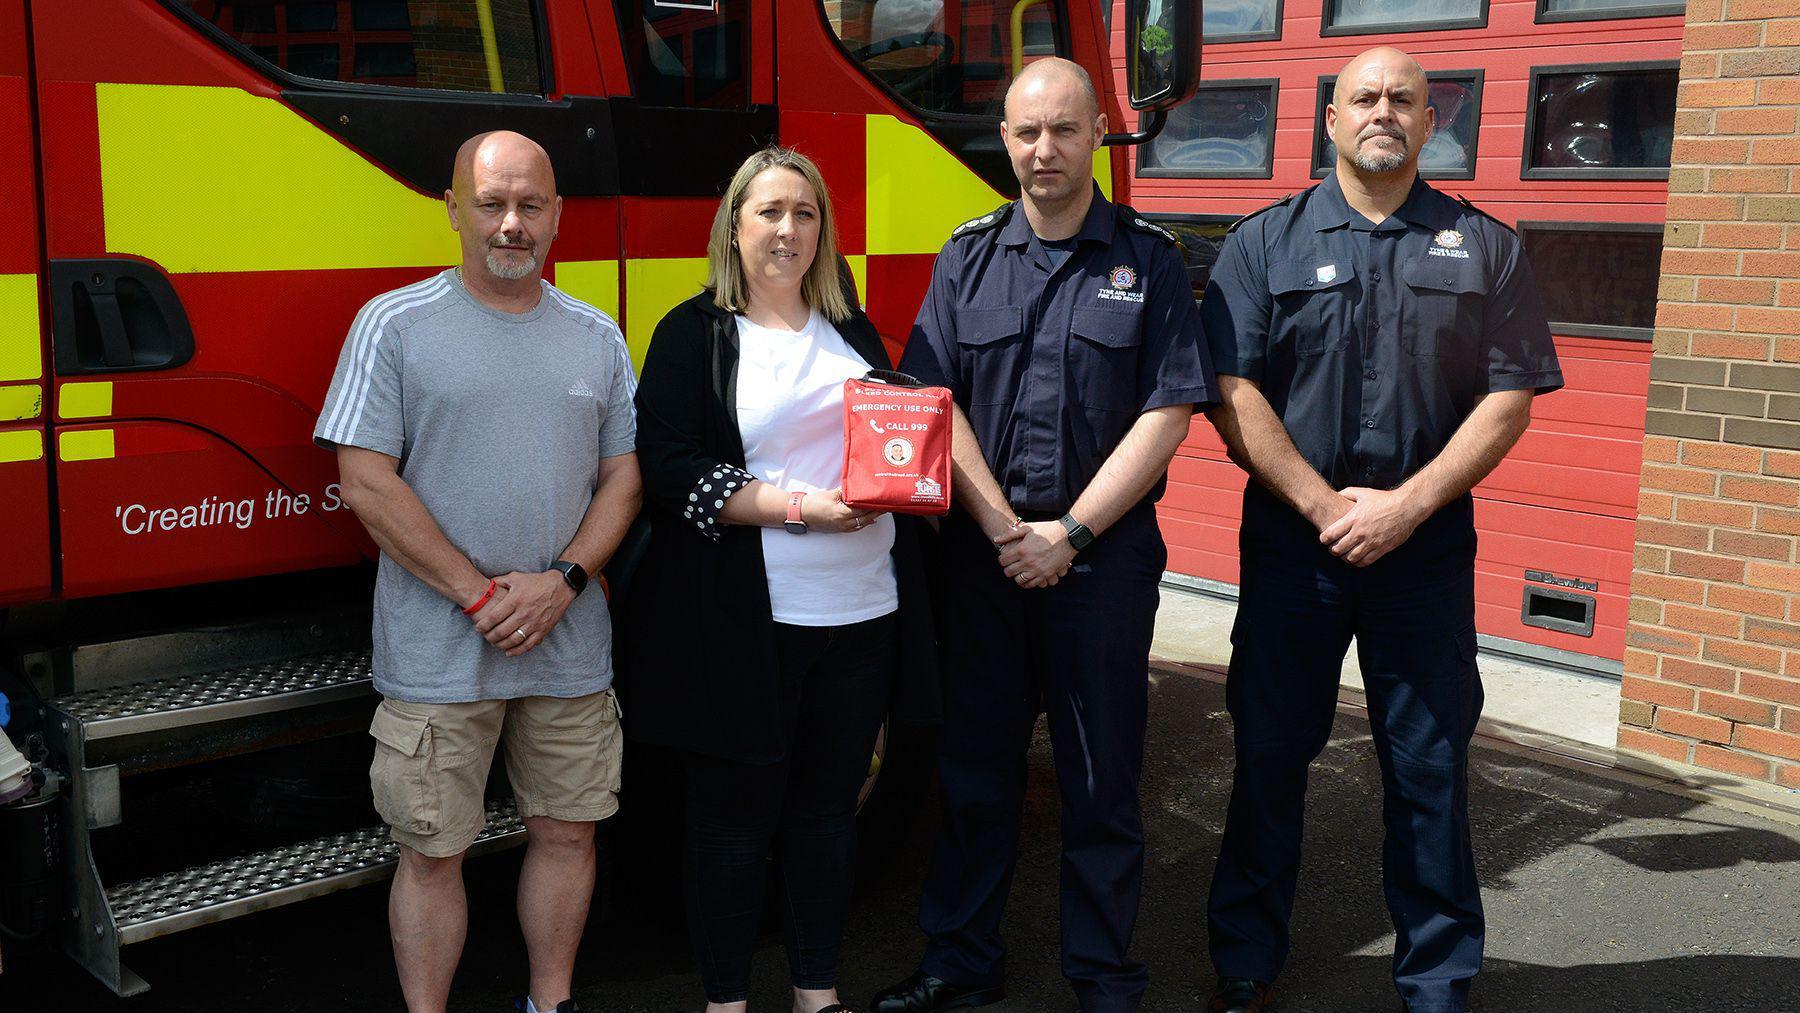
(1201, 238)
(1609, 122)
(1226, 131)
(453, 45)
(1240, 20)
(1360, 17)
(1449, 153)
(1596, 10)
(1597, 279)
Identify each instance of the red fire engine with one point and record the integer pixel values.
(208, 190)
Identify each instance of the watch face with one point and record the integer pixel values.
(794, 527)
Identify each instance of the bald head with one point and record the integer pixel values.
(1052, 128)
(1380, 114)
(1054, 72)
(1380, 63)
(503, 205)
(511, 153)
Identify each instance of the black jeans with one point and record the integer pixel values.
(805, 805)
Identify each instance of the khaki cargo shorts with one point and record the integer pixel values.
(563, 757)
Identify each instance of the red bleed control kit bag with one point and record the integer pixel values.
(896, 444)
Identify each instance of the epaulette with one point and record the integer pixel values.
(1132, 219)
(1466, 202)
(982, 224)
(1267, 207)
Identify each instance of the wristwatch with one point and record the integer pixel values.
(572, 575)
(1079, 535)
(795, 524)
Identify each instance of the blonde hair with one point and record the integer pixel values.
(823, 286)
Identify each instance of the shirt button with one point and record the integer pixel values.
(1370, 374)
(1376, 276)
(1368, 423)
(1309, 283)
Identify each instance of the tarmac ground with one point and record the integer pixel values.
(1602, 895)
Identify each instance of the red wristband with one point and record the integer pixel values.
(483, 600)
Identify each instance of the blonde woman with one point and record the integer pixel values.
(772, 626)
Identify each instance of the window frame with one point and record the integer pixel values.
(1327, 29)
(1479, 75)
(1272, 35)
(1643, 9)
(1273, 84)
(1194, 218)
(245, 55)
(1529, 171)
(1580, 330)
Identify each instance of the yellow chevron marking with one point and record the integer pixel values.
(21, 356)
(84, 445)
(203, 179)
(21, 445)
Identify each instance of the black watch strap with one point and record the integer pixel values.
(1079, 535)
(572, 575)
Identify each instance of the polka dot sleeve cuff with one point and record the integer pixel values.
(709, 495)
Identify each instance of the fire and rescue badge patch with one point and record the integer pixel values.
(1448, 243)
(1120, 282)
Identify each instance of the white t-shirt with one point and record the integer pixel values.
(790, 411)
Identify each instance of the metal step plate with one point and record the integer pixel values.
(157, 906)
(218, 696)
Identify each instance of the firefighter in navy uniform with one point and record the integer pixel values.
(1378, 347)
(1067, 330)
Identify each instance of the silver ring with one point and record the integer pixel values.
(858, 525)
(521, 634)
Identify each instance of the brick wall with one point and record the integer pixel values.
(1712, 663)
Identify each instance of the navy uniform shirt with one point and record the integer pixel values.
(1053, 362)
(1373, 342)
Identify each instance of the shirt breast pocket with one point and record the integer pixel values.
(1104, 358)
(1313, 305)
(990, 343)
(1442, 307)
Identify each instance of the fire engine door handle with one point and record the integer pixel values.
(115, 348)
(116, 316)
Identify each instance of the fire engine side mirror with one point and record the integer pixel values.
(1162, 52)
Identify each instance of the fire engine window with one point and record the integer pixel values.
(1450, 153)
(1597, 280)
(1227, 130)
(455, 45)
(687, 53)
(1240, 20)
(1352, 17)
(1613, 122)
(944, 57)
(1591, 10)
(1201, 236)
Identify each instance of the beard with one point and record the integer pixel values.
(499, 268)
(1381, 161)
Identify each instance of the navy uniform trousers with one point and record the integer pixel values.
(1079, 652)
(1412, 615)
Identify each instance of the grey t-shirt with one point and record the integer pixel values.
(499, 421)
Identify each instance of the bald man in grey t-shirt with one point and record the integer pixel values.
(484, 431)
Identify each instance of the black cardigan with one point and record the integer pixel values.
(697, 637)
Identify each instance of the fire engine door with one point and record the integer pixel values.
(24, 472)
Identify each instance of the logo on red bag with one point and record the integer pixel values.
(927, 490)
(898, 452)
